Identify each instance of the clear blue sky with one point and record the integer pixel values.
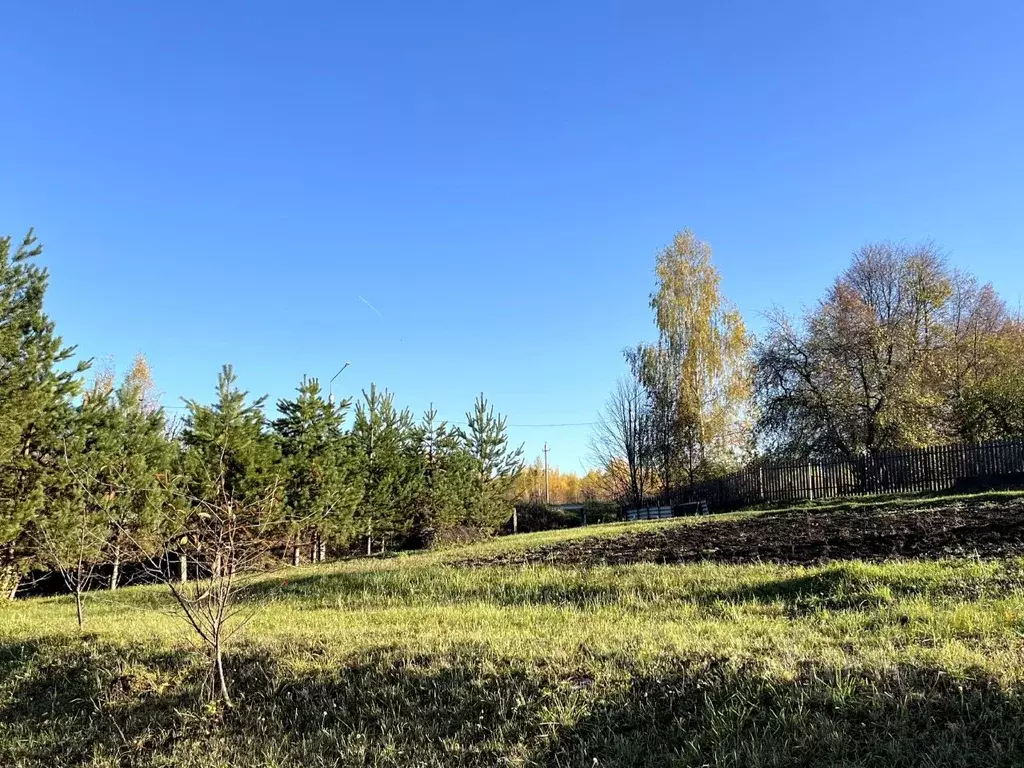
(220, 182)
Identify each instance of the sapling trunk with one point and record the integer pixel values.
(12, 584)
(9, 577)
(221, 683)
(79, 607)
(115, 571)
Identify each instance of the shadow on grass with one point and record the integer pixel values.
(82, 704)
(63, 702)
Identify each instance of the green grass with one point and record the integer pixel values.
(415, 661)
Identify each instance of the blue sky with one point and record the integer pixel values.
(221, 182)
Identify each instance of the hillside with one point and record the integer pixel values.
(568, 648)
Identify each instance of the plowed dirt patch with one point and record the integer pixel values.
(960, 529)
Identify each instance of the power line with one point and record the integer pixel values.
(566, 424)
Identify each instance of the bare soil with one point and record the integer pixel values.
(960, 529)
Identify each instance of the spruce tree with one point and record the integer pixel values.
(35, 403)
(497, 465)
(322, 483)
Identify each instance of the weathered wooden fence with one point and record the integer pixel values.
(938, 468)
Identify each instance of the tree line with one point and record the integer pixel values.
(557, 486)
(92, 475)
(902, 351)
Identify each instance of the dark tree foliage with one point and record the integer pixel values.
(497, 465)
(35, 397)
(322, 484)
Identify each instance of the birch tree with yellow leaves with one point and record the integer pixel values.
(697, 373)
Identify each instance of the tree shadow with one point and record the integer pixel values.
(77, 706)
(67, 700)
(713, 713)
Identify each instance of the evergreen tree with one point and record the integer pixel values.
(497, 465)
(71, 533)
(322, 482)
(230, 468)
(381, 438)
(138, 469)
(35, 403)
(231, 519)
(448, 480)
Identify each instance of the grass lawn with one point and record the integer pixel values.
(420, 660)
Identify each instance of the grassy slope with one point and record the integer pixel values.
(416, 661)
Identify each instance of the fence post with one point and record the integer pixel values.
(810, 480)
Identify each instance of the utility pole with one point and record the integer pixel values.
(547, 494)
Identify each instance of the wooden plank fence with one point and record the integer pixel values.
(936, 468)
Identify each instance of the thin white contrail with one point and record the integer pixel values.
(370, 305)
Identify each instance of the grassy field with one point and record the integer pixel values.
(425, 660)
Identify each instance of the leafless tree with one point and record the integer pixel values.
(622, 442)
(228, 543)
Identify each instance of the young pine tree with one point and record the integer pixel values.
(448, 475)
(70, 535)
(228, 458)
(497, 465)
(35, 404)
(138, 470)
(381, 446)
(321, 487)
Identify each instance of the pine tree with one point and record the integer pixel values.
(448, 479)
(138, 469)
(35, 403)
(71, 534)
(497, 465)
(381, 439)
(322, 483)
(229, 464)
